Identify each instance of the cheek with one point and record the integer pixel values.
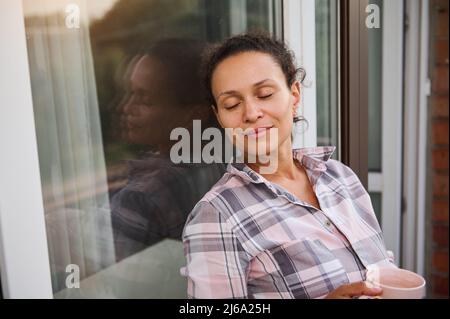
(156, 114)
(229, 119)
(282, 109)
(283, 114)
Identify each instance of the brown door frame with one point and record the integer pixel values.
(354, 86)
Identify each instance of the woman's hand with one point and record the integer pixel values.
(353, 290)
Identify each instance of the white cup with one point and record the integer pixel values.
(397, 283)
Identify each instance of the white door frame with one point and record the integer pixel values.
(24, 259)
(417, 88)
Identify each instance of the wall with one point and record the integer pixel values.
(438, 149)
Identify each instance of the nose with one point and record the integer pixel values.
(129, 106)
(252, 112)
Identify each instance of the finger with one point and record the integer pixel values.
(361, 288)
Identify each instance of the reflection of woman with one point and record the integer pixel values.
(306, 231)
(164, 93)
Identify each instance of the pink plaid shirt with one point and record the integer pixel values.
(250, 238)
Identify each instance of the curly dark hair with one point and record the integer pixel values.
(250, 42)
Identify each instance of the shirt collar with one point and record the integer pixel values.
(312, 158)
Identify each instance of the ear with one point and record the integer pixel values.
(295, 92)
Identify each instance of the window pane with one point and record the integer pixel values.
(110, 80)
(327, 73)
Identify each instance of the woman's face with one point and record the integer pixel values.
(147, 117)
(252, 95)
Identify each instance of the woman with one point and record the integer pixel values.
(307, 230)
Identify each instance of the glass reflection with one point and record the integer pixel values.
(163, 92)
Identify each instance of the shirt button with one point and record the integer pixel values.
(328, 223)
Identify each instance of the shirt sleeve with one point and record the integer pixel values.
(216, 262)
(363, 202)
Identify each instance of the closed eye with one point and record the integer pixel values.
(232, 106)
(266, 96)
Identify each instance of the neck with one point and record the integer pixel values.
(286, 166)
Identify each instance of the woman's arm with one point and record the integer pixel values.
(216, 262)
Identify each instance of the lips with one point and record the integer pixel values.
(257, 132)
(131, 122)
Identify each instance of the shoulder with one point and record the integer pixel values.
(341, 172)
(206, 222)
(224, 195)
(219, 203)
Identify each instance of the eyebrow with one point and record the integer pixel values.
(234, 91)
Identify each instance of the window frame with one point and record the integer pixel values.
(354, 86)
(24, 258)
